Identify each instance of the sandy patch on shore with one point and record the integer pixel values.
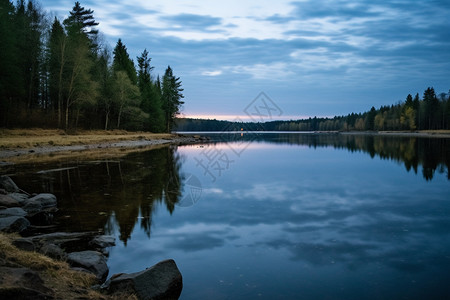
(22, 146)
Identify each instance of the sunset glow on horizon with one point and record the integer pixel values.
(242, 118)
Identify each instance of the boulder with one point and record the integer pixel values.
(32, 207)
(12, 211)
(24, 244)
(46, 200)
(19, 197)
(7, 201)
(92, 261)
(162, 281)
(53, 251)
(8, 185)
(102, 243)
(13, 224)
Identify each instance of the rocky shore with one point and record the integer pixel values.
(84, 252)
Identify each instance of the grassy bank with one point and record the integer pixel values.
(44, 145)
(28, 138)
(62, 282)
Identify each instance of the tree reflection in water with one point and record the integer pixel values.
(430, 153)
(111, 195)
(115, 195)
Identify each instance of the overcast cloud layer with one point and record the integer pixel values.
(319, 58)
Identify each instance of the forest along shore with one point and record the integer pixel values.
(43, 145)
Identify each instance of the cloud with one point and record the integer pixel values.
(360, 53)
(185, 22)
(333, 9)
(212, 73)
(273, 71)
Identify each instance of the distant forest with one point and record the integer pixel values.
(431, 112)
(60, 74)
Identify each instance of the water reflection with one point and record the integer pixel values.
(109, 195)
(430, 153)
(294, 217)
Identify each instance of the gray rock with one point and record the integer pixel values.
(7, 184)
(69, 241)
(32, 207)
(13, 224)
(7, 201)
(53, 251)
(19, 197)
(162, 281)
(103, 241)
(12, 211)
(46, 200)
(24, 244)
(92, 261)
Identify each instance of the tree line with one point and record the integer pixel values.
(61, 74)
(431, 112)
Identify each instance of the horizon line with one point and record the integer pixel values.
(247, 118)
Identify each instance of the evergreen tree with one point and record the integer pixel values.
(57, 58)
(416, 107)
(106, 82)
(79, 87)
(30, 25)
(9, 70)
(150, 97)
(431, 105)
(370, 120)
(409, 101)
(81, 20)
(123, 62)
(171, 97)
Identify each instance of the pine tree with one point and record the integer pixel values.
(431, 104)
(57, 58)
(123, 62)
(9, 70)
(171, 97)
(81, 20)
(79, 87)
(150, 97)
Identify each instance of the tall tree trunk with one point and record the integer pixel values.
(67, 117)
(107, 119)
(118, 117)
(77, 118)
(60, 84)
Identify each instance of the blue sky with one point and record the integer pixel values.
(312, 58)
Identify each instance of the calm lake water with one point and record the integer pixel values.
(270, 216)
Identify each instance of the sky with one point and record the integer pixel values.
(309, 57)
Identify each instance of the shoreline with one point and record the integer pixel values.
(31, 145)
(421, 133)
(112, 146)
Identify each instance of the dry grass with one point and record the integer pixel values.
(57, 275)
(440, 131)
(84, 155)
(28, 138)
(31, 143)
(30, 260)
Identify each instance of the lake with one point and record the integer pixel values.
(270, 215)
